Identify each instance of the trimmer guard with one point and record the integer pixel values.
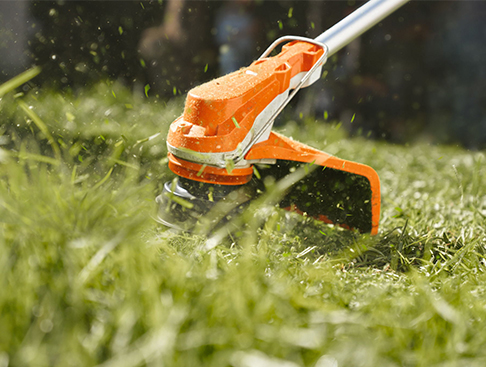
(338, 191)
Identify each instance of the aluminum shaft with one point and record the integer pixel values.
(358, 22)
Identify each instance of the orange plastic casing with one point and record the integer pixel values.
(218, 115)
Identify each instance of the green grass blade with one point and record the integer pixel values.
(42, 127)
(18, 80)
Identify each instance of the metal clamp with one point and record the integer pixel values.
(322, 60)
(280, 40)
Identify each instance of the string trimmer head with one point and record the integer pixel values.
(223, 148)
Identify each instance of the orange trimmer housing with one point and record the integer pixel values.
(221, 114)
(226, 125)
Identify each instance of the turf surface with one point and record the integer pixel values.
(88, 277)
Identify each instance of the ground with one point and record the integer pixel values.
(89, 277)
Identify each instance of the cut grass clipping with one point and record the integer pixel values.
(88, 277)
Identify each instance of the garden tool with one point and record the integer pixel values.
(225, 154)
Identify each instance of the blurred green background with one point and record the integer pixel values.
(419, 74)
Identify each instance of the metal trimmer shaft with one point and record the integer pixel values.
(358, 22)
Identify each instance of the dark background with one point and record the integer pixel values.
(419, 74)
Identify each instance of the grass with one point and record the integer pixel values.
(88, 277)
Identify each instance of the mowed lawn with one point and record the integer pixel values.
(88, 277)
